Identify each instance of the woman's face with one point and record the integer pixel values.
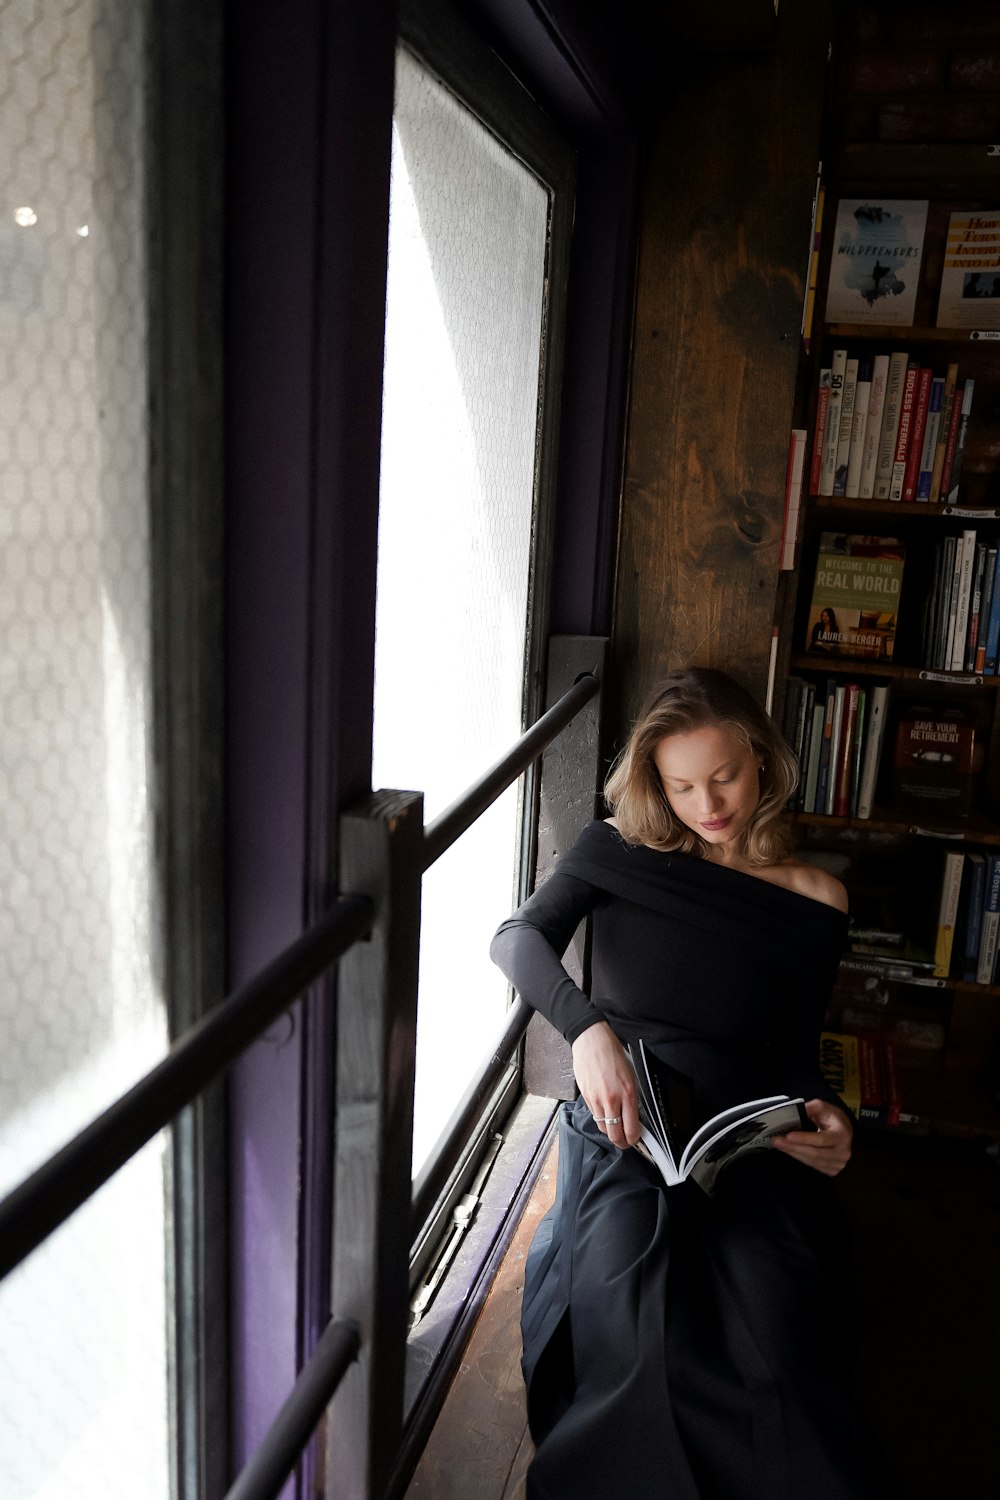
(712, 782)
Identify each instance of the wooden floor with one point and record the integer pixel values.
(927, 1228)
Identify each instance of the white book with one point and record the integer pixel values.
(931, 430)
(878, 709)
(956, 635)
(873, 427)
(847, 400)
(838, 367)
(890, 423)
(859, 427)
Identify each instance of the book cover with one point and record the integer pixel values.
(854, 1066)
(875, 266)
(970, 279)
(970, 913)
(937, 755)
(962, 598)
(855, 597)
(992, 651)
(665, 1099)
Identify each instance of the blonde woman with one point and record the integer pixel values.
(675, 1344)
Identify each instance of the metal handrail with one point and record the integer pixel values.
(44, 1200)
(265, 1474)
(453, 822)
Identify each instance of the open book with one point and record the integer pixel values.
(669, 1139)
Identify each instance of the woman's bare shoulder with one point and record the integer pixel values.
(612, 821)
(809, 880)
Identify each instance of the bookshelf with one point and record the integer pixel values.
(895, 860)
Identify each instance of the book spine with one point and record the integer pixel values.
(989, 941)
(949, 549)
(895, 381)
(859, 426)
(919, 426)
(857, 750)
(993, 627)
(793, 497)
(812, 275)
(975, 873)
(845, 754)
(944, 430)
(812, 765)
(871, 1107)
(986, 609)
(874, 738)
(831, 442)
(931, 606)
(873, 427)
(951, 446)
(975, 607)
(907, 407)
(847, 400)
(836, 739)
(955, 473)
(823, 779)
(819, 431)
(951, 887)
(890, 1075)
(956, 659)
(925, 473)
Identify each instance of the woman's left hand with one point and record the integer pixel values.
(828, 1148)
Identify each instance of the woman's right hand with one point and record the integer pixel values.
(607, 1083)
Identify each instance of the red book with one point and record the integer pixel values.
(819, 437)
(949, 452)
(903, 431)
(916, 443)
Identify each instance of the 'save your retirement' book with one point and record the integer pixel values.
(665, 1114)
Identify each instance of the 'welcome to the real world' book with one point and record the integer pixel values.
(855, 598)
(666, 1099)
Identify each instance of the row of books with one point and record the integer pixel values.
(877, 261)
(961, 629)
(976, 927)
(835, 730)
(889, 428)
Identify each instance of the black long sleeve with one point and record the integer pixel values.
(528, 947)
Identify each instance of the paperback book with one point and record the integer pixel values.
(855, 598)
(875, 267)
(677, 1149)
(970, 281)
(937, 758)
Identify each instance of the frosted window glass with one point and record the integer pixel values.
(83, 1356)
(467, 249)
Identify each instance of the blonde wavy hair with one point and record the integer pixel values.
(687, 700)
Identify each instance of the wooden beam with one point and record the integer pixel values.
(723, 255)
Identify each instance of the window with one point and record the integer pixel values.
(468, 244)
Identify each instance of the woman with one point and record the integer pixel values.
(826, 632)
(675, 1344)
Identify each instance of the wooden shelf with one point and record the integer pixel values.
(947, 830)
(983, 338)
(906, 509)
(803, 661)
